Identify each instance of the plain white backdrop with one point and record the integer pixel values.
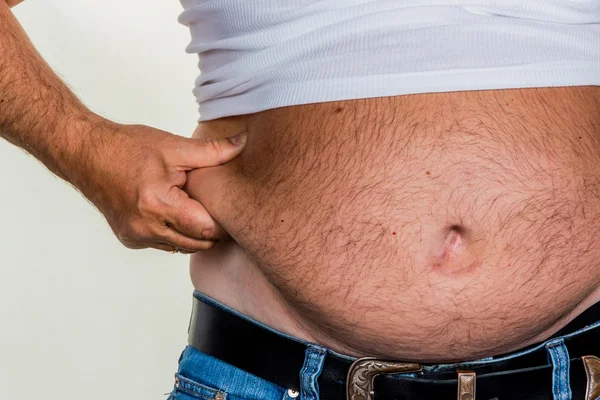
(81, 316)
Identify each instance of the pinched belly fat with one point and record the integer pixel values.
(432, 227)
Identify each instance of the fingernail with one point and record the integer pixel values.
(239, 139)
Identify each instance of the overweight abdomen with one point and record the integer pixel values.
(396, 226)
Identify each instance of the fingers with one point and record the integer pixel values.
(191, 219)
(169, 248)
(185, 244)
(199, 153)
(167, 239)
(137, 186)
(176, 221)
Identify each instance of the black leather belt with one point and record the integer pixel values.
(276, 358)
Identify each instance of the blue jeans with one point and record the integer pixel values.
(202, 377)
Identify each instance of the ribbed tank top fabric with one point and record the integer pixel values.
(256, 55)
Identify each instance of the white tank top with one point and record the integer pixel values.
(261, 54)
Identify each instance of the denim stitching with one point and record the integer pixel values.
(318, 368)
(312, 372)
(308, 389)
(309, 384)
(194, 394)
(556, 370)
(312, 375)
(564, 376)
(561, 388)
(196, 389)
(303, 376)
(567, 372)
(559, 362)
(309, 394)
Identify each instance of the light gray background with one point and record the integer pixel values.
(81, 316)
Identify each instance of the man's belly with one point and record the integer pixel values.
(431, 227)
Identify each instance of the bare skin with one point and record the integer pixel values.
(133, 174)
(434, 227)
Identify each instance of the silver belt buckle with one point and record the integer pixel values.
(359, 385)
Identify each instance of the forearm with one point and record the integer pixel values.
(38, 112)
(12, 3)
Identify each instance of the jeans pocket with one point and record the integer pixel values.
(187, 389)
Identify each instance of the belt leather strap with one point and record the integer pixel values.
(272, 356)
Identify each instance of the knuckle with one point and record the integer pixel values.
(147, 202)
(177, 177)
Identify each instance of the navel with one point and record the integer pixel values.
(452, 254)
(454, 242)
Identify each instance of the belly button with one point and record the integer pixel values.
(451, 255)
(453, 245)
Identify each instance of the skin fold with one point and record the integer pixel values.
(432, 227)
(133, 174)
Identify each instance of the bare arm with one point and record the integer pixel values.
(132, 173)
(12, 3)
(35, 106)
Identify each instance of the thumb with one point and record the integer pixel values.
(199, 153)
